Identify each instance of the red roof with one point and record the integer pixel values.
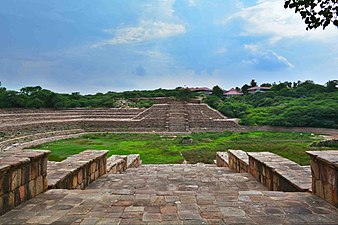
(259, 87)
(232, 91)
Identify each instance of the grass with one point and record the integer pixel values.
(157, 148)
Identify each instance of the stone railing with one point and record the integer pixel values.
(116, 164)
(22, 177)
(133, 161)
(77, 171)
(278, 173)
(238, 161)
(222, 159)
(324, 168)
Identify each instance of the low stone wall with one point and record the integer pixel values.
(77, 171)
(116, 164)
(22, 177)
(278, 173)
(30, 140)
(133, 161)
(238, 161)
(222, 159)
(324, 168)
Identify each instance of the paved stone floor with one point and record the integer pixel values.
(173, 194)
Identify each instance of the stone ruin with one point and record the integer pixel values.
(92, 188)
(25, 128)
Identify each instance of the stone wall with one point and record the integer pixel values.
(324, 168)
(278, 173)
(23, 175)
(222, 159)
(116, 164)
(133, 161)
(238, 161)
(77, 171)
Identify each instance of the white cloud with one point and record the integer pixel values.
(251, 47)
(147, 30)
(265, 59)
(282, 59)
(268, 17)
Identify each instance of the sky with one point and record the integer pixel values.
(112, 45)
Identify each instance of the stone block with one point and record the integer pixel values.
(11, 200)
(328, 192)
(45, 183)
(315, 169)
(23, 193)
(15, 179)
(31, 189)
(44, 165)
(5, 183)
(25, 174)
(34, 170)
(74, 181)
(39, 185)
(80, 176)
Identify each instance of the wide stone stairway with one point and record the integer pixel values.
(173, 194)
(178, 117)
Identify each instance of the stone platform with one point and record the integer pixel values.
(173, 194)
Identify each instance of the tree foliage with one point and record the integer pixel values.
(217, 91)
(315, 13)
(303, 104)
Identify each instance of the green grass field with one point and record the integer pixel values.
(157, 148)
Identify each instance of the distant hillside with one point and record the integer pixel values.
(305, 104)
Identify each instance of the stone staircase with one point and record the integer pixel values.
(177, 117)
(174, 194)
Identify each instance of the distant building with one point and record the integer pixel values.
(258, 89)
(232, 92)
(202, 90)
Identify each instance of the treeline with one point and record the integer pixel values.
(37, 97)
(286, 104)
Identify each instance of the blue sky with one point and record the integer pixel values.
(113, 45)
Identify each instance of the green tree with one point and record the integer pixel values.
(30, 90)
(184, 94)
(217, 91)
(253, 83)
(266, 85)
(245, 88)
(331, 85)
(315, 13)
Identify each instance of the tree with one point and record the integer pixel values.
(245, 88)
(316, 13)
(253, 83)
(184, 94)
(266, 85)
(331, 85)
(30, 90)
(217, 91)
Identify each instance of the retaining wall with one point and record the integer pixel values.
(278, 173)
(23, 175)
(77, 171)
(324, 169)
(238, 161)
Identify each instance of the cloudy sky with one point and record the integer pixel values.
(113, 45)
